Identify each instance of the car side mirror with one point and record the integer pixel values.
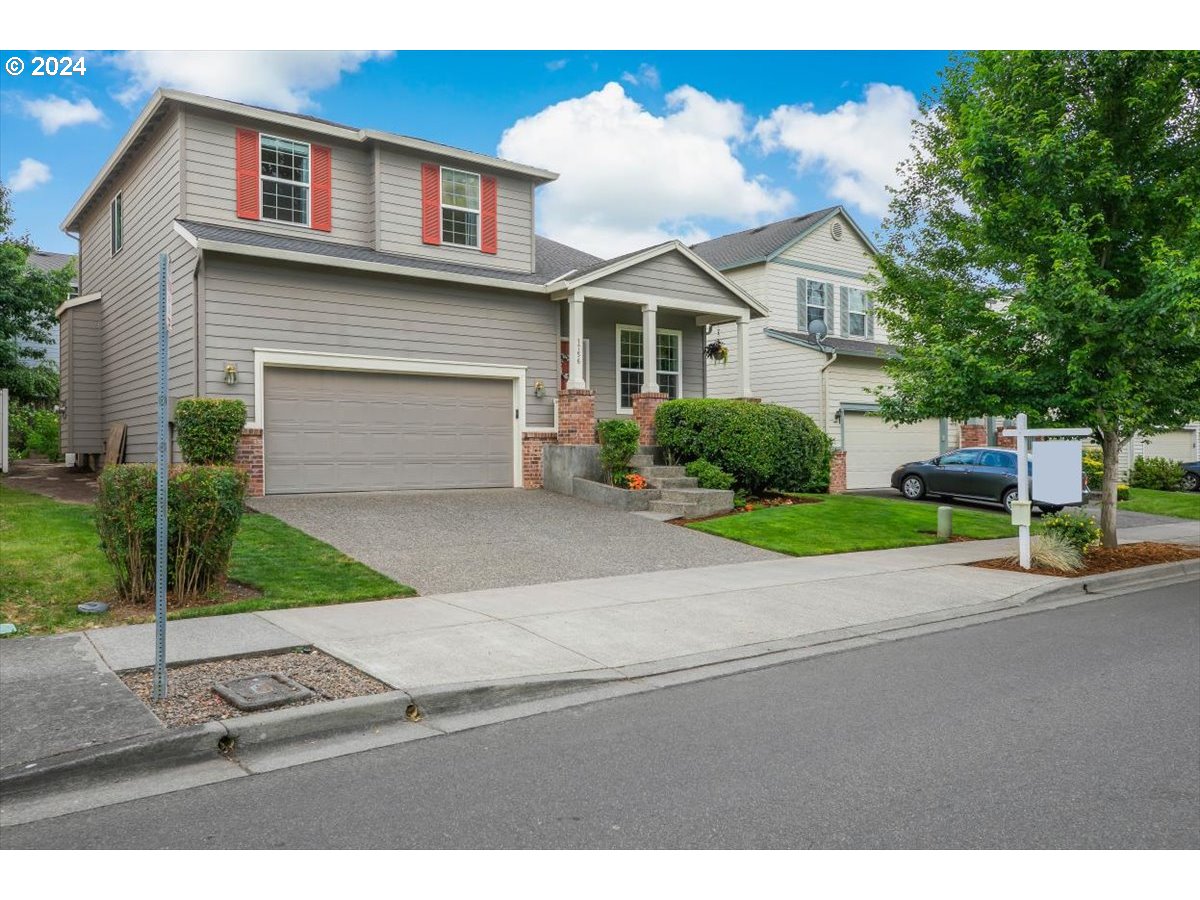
(936, 461)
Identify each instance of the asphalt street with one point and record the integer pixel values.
(1070, 728)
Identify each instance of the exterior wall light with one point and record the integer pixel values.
(539, 389)
(231, 373)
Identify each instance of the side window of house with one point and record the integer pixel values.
(460, 208)
(856, 312)
(817, 304)
(117, 222)
(286, 179)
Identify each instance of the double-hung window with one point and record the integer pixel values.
(630, 371)
(116, 218)
(856, 312)
(460, 208)
(816, 302)
(286, 179)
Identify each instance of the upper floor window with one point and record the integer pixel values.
(286, 179)
(460, 208)
(816, 302)
(856, 312)
(117, 223)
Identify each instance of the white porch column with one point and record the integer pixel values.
(575, 339)
(743, 350)
(649, 349)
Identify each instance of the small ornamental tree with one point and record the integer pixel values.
(1043, 248)
(208, 429)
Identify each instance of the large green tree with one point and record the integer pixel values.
(1043, 247)
(28, 298)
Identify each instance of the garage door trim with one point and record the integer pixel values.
(303, 359)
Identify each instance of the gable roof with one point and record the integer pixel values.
(162, 99)
(764, 243)
(48, 261)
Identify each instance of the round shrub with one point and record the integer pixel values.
(1093, 467)
(618, 443)
(708, 476)
(762, 445)
(1156, 473)
(1077, 529)
(208, 429)
(204, 509)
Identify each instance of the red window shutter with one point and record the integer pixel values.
(431, 203)
(487, 214)
(247, 174)
(322, 179)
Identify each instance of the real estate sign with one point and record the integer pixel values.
(1058, 472)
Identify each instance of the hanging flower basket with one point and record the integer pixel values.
(717, 352)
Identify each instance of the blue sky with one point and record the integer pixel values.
(650, 144)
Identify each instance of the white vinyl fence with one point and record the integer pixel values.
(4, 430)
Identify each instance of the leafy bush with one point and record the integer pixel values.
(204, 509)
(761, 445)
(1093, 467)
(208, 429)
(1078, 529)
(618, 443)
(32, 429)
(1053, 551)
(708, 476)
(1122, 492)
(1156, 473)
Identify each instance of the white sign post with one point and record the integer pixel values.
(1057, 473)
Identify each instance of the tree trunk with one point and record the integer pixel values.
(1108, 490)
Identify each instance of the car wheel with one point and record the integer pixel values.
(1009, 496)
(913, 487)
(1191, 481)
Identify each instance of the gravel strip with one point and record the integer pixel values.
(190, 698)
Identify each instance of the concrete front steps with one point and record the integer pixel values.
(678, 495)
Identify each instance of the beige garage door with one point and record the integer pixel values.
(874, 448)
(357, 431)
(1177, 445)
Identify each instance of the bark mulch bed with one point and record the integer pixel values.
(191, 701)
(1106, 559)
(124, 612)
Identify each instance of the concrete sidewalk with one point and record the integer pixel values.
(60, 694)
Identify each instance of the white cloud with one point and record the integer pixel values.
(555, 65)
(284, 79)
(630, 178)
(856, 146)
(646, 74)
(55, 112)
(29, 174)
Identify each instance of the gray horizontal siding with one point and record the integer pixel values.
(252, 304)
(671, 276)
(212, 185)
(399, 208)
(81, 380)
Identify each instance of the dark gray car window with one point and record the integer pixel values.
(994, 459)
(960, 458)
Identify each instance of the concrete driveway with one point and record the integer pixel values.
(449, 541)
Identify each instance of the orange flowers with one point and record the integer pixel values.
(635, 482)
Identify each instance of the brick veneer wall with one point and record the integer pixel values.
(837, 472)
(250, 458)
(973, 435)
(645, 405)
(532, 444)
(1002, 441)
(576, 416)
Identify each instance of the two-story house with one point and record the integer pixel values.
(810, 269)
(382, 304)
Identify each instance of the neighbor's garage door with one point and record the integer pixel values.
(1177, 445)
(874, 448)
(357, 431)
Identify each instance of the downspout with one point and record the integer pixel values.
(825, 392)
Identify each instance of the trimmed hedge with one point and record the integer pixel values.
(1156, 473)
(618, 443)
(204, 509)
(762, 445)
(708, 476)
(208, 429)
(1093, 467)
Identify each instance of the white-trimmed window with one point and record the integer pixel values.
(856, 312)
(116, 218)
(460, 208)
(816, 304)
(286, 179)
(669, 371)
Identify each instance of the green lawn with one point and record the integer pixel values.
(50, 560)
(841, 522)
(1184, 504)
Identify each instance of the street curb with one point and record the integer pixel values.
(1144, 576)
(448, 699)
(299, 722)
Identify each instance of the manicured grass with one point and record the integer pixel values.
(841, 523)
(50, 560)
(1184, 504)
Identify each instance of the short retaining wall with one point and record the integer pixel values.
(613, 497)
(563, 463)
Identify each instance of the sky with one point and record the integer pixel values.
(649, 145)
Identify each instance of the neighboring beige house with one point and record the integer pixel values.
(808, 268)
(380, 303)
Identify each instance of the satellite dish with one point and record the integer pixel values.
(818, 329)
